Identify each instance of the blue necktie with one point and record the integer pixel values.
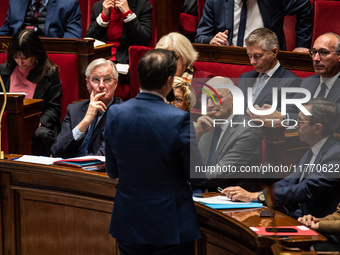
(84, 146)
(322, 91)
(217, 135)
(260, 85)
(242, 26)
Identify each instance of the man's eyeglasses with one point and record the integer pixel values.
(96, 81)
(177, 101)
(300, 121)
(322, 53)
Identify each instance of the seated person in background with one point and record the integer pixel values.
(329, 225)
(229, 22)
(233, 143)
(308, 190)
(262, 49)
(182, 94)
(122, 23)
(82, 130)
(28, 69)
(326, 83)
(49, 18)
(187, 56)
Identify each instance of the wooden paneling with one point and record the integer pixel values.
(23, 117)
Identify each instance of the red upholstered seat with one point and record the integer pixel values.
(326, 18)
(187, 24)
(135, 54)
(68, 72)
(3, 11)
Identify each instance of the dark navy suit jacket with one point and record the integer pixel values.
(319, 194)
(148, 149)
(63, 18)
(218, 15)
(281, 78)
(311, 83)
(65, 146)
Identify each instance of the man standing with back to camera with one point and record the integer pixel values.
(148, 149)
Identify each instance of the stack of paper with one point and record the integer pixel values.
(222, 202)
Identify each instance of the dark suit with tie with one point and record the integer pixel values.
(311, 83)
(280, 78)
(240, 145)
(63, 18)
(66, 146)
(148, 149)
(218, 15)
(319, 193)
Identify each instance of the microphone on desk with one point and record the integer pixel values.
(1, 113)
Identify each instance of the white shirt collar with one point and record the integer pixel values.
(317, 147)
(273, 70)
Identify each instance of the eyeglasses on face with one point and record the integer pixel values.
(177, 101)
(300, 121)
(96, 80)
(322, 52)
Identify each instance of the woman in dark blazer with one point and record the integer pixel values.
(28, 69)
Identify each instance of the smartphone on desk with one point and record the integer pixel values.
(282, 230)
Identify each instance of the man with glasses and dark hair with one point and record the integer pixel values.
(314, 186)
(83, 127)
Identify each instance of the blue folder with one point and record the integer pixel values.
(234, 206)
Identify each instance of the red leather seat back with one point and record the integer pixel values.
(68, 72)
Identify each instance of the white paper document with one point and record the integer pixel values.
(37, 159)
(215, 200)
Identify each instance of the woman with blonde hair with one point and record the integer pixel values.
(187, 56)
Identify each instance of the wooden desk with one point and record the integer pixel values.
(55, 210)
(82, 47)
(227, 232)
(59, 210)
(23, 117)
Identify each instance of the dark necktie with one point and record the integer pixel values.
(322, 92)
(305, 167)
(242, 27)
(217, 135)
(37, 5)
(260, 85)
(84, 146)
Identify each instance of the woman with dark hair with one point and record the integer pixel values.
(28, 69)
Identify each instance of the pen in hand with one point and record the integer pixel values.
(219, 189)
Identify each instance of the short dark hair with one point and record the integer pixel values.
(324, 112)
(155, 67)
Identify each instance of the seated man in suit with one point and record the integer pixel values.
(83, 126)
(262, 49)
(233, 143)
(49, 18)
(149, 151)
(326, 83)
(313, 187)
(229, 22)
